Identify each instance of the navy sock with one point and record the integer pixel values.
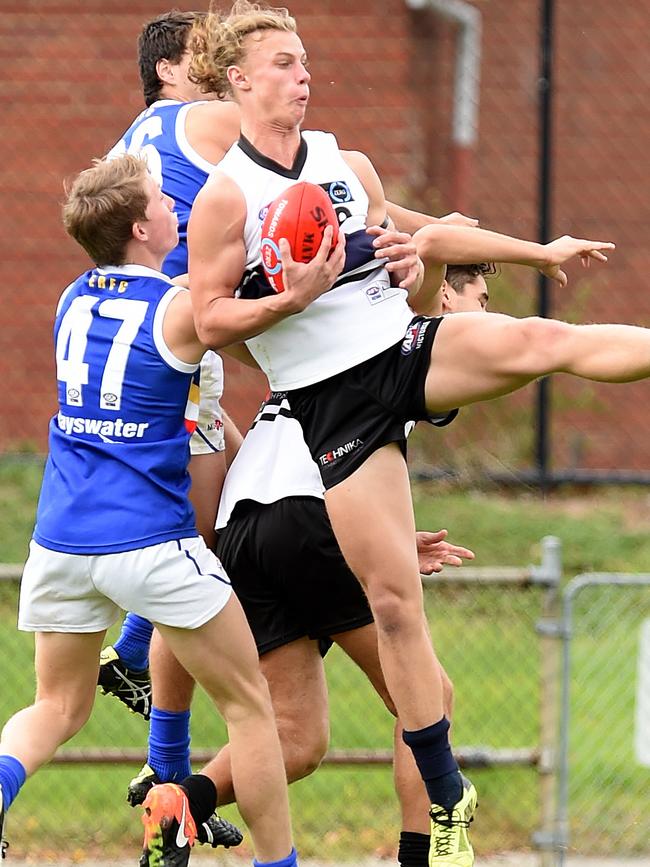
(290, 861)
(201, 795)
(437, 766)
(12, 777)
(413, 849)
(133, 643)
(169, 744)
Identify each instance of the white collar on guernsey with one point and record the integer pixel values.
(132, 270)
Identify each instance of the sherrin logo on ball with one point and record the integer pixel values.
(300, 214)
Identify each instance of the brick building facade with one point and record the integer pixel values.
(383, 79)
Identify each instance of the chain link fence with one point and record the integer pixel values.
(444, 96)
(559, 748)
(604, 768)
(484, 625)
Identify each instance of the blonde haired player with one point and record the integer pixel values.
(354, 362)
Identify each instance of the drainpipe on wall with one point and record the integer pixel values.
(466, 90)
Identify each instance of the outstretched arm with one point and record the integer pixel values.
(460, 245)
(406, 220)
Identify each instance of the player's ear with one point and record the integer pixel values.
(165, 71)
(237, 78)
(139, 232)
(446, 296)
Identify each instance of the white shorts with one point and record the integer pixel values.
(209, 434)
(179, 583)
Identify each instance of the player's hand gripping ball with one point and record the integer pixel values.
(300, 214)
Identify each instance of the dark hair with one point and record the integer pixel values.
(162, 38)
(458, 275)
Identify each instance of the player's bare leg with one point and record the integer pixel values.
(222, 657)
(298, 688)
(207, 473)
(379, 546)
(411, 793)
(168, 754)
(172, 686)
(380, 549)
(361, 646)
(66, 677)
(296, 679)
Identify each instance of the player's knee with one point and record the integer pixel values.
(245, 698)
(395, 611)
(303, 761)
(303, 748)
(71, 714)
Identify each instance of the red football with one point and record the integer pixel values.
(300, 214)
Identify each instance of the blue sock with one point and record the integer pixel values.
(289, 861)
(12, 777)
(437, 766)
(169, 744)
(133, 643)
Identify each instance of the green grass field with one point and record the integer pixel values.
(485, 637)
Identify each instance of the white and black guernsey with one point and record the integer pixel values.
(362, 314)
(272, 463)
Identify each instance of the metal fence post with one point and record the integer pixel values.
(548, 628)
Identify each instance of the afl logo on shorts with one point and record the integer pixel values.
(414, 336)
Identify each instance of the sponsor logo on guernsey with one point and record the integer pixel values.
(336, 454)
(338, 191)
(414, 336)
(101, 427)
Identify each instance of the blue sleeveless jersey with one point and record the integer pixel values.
(116, 476)
(158, 134)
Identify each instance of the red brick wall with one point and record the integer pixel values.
(383, 80)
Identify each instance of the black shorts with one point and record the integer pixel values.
(349, 416)
(289, 574)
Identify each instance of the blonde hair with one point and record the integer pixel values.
(216, 42)
(102, 205)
